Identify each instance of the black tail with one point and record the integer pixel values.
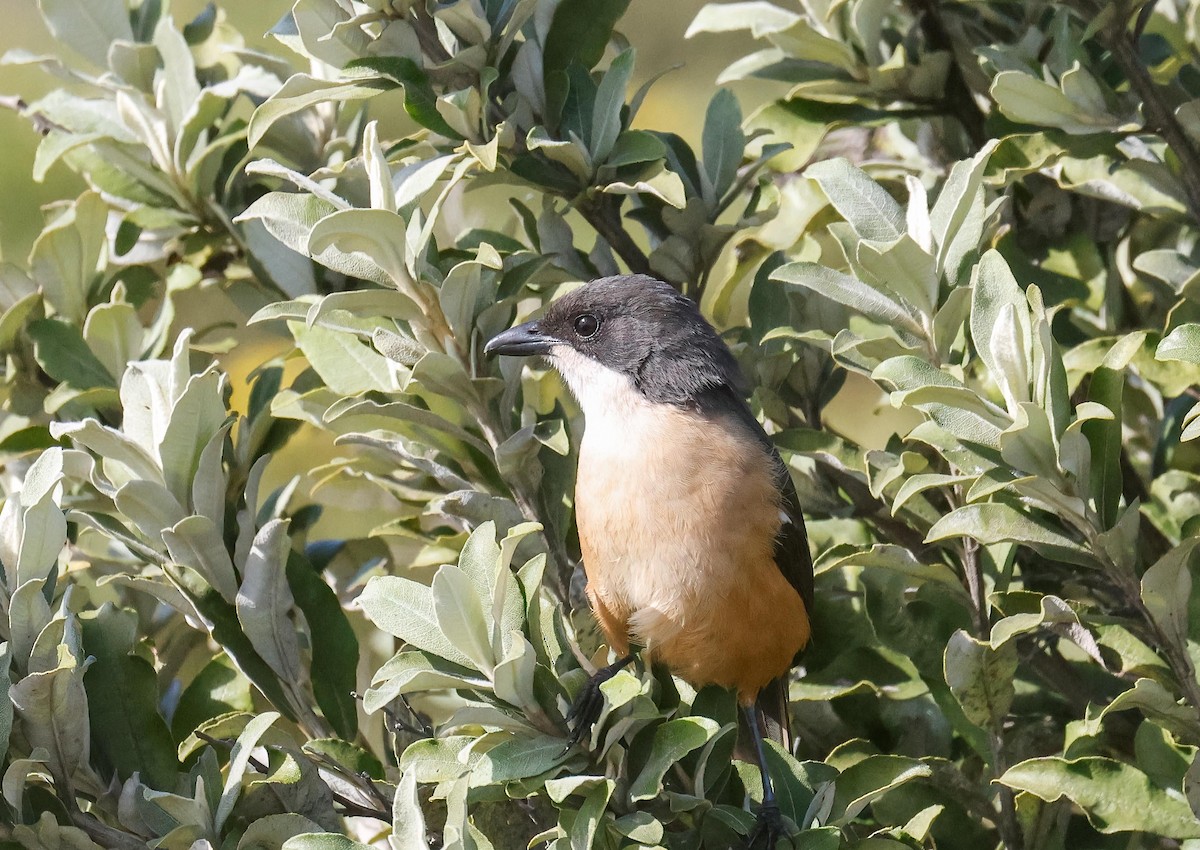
(775, 723)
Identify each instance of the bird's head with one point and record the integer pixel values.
(623, 333)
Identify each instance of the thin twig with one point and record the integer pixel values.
(1160, 116)
(349, 807)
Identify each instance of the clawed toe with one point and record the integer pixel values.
(768, 829)
(585, 711)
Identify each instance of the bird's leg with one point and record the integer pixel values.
(769, 827)
(585, 711)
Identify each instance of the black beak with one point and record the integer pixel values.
(521, 341)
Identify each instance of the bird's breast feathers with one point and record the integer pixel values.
(678, 512)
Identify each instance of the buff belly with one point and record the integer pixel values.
(678, 514)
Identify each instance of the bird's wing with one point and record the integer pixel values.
(791, 544)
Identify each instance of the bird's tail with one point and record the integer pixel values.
(774, 720)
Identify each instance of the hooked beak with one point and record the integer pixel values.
(521, 341)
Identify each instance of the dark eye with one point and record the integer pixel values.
(586, 325)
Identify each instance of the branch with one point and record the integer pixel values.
(603, 215)
(958, 94)
(1160, 116)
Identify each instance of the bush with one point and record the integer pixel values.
(1005, 641)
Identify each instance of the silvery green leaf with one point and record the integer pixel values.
(995, 522)
(379, 173)
(291, 270)
(179, 90)
(149, 506)
(371, 233)
(865, 205)
(852, 293)
(114, 334)
(408, 821)
(210, 482)
(302, 91)
(65, 256)
(6, 706)
(405, 609)
(904, 268)
(460, 614)
(665, 185)
(916, 214)
(1000, 326)
(1028, 444)
(196, 542)
(28, 614)
(239, 760)
(955, 202)
(900, 560)
(1076, 105)
(197, 415)
(52, 706)
(88, 28)
(512, 678)
(146, 401)
(264, 602)
(1182, 343)
(412, 671)
(416, 179)
(271, 168)
(761, 18)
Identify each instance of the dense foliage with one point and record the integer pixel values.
(1000, 232)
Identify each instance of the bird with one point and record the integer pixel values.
(690, 527)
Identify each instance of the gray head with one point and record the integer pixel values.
(634, 327)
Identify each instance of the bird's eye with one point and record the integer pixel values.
(586, 325)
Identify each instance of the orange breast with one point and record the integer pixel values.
(677, 517)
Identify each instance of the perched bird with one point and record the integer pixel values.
(690, 529)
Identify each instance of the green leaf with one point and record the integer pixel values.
(6, 706)
(196, 416)
(61, 351)
(981, 678)
(579, 32)
(519, 758)
(869, 779)
(222, 623)
(420, 100)
(723, 142)
(1167, 590)
(127, 730)
(219, 688)
(334, 646)
(1116, 797)
(672, 741)
(323, 841)
(1182, 343)
(610, 101)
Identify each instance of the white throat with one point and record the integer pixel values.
(608, 398)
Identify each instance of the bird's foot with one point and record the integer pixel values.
(768, 829)
(585, 711)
